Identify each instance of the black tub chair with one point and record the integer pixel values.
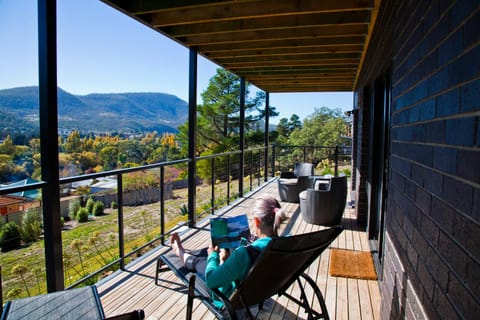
(290, 184)
(324, 204)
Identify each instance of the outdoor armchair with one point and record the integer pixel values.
(325, 204)
(302, 169)
(290, 184)
(265, 278)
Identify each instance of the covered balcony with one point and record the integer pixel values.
(413, 66)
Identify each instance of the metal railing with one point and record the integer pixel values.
(148, 211)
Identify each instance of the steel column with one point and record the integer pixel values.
(192, 136)
(267, 131)
(121, 235)
(47, 71)
(242, 136)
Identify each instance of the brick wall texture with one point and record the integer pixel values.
(431, 267)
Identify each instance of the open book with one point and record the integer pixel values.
(228, 232)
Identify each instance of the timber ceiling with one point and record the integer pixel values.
(277, 45)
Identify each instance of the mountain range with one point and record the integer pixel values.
(94, 113)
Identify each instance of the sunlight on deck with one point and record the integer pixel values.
(345, 298)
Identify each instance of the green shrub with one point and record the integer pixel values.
(347, 172)
(98, 208)
(184, 210)
(326, 171)
(89, 205)
(113, 205)
(73, 207)
(10, 236)
(82, 215)
(31, 226)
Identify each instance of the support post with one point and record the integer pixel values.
(192, 137)
(47, 71)
(242, 137)
(121, 230)
(162, 204)
(267, 131)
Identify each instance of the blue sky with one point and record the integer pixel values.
(101, 50)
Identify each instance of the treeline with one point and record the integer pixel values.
(87, 154)
(217, 131)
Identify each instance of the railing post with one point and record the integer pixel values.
(162, 204)
(121, 246)
(267, 131)
(258, 169)
(242, 136)
(48, 113)
(251, 170)
(1, 290)
(192, 134)
(336, 161)
(228, 178)
(273, 160)
(213, 186)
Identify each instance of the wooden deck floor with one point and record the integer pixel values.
(345, 298)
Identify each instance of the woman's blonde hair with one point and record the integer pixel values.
(267, 210)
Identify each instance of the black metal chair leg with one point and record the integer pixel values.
(191, 296)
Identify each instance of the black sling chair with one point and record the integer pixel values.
(278, 266)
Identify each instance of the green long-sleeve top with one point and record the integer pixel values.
(235, 268)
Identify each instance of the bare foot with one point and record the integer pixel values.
(177, 247)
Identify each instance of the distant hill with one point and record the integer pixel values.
(98, 113)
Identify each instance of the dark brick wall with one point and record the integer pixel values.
(432, 252)
(362, 156)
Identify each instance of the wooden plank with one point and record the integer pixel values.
(237, 38)
(251, 9)
(315, 19)
(354, 311)
(374, 293)
(342, 299)
(366, 310)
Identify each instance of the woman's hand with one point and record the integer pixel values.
(224, 254)
(212, 248)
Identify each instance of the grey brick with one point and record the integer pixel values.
(463, 300)
(470, 31)
(471, 95)
(443, 306)
(442, 214)
(458, 194)
(472, 238)
(433, 182)
(448, 103)
(451, 48)
(461, 132)
(436, 132)
(430, 231)
(471, 281)
(468, 165)
(423, 200)
(445, 159)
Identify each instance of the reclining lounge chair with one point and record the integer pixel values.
(282, 263)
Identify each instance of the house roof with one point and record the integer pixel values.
(9, 200)
(277, 45)
(31, 194)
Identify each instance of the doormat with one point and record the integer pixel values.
(352, 264)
